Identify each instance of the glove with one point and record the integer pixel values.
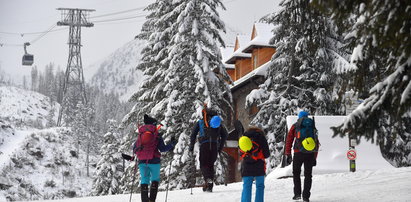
(127, 157)
(289, 159)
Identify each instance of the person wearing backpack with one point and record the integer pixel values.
(254, 150)
(303, 135)
(212, 138)
(147, 148)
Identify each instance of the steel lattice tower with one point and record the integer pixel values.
(73, 85)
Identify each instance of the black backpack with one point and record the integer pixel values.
(208, 134)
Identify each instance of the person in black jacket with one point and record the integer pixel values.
(212, 139)
(253, 165)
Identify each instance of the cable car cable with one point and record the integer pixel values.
(118, 19)
(116, 13)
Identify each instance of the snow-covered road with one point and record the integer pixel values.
(377, 185)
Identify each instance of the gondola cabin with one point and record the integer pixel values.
(27, 59)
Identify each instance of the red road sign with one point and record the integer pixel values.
(351, 154)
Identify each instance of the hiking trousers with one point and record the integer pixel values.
(308, 160)
(248, 186)
(208, 156)
(149, 172)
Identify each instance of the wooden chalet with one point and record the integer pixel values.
(251, 58)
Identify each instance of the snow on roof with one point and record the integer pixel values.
(263, 34)
(260, 71)
(229, 66)
(242, 40)
(225, 53)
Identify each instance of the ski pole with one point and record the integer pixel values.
(168, 178)
(193, 183)
(134, 177)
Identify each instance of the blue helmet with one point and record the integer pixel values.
(215, 122)
(302, 114)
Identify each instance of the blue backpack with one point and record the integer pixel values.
(305, 128)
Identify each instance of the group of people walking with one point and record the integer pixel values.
(211, 135)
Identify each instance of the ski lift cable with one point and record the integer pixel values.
(133, 20)
(26, 33)
(54, 25)
(119, 12)
(10, 45)
(118, 19)
(41, 36)
(104, 15)
(38, 38)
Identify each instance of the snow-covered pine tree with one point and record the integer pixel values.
(82, 126)
(381, 56)
(196, 75)
(109, 168)
(302, 71)
(149, 99)
(184, 69)
(51, 121)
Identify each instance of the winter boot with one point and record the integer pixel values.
(205, 186)
(153, 191)
(210, 185)
(306, 200)
(297, 197)
(144, 193)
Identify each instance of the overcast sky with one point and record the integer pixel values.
(31, 16)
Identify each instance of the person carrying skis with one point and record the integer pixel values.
(254, 150)
(147, 148)
(304, 136)
(211, 139)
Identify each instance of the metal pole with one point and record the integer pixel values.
(194, 175)
(168, 178)
(134, 177)
(352, 144)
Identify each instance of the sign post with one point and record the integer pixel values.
(352, 154)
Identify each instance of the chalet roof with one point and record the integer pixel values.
(262, 33)
(241, 40)
(225, 53)
(260, 71)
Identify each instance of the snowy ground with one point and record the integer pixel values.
(10, 145)
(23, 105)
(377, 185)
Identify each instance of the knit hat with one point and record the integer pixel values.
(302, 114)
(149, 120)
